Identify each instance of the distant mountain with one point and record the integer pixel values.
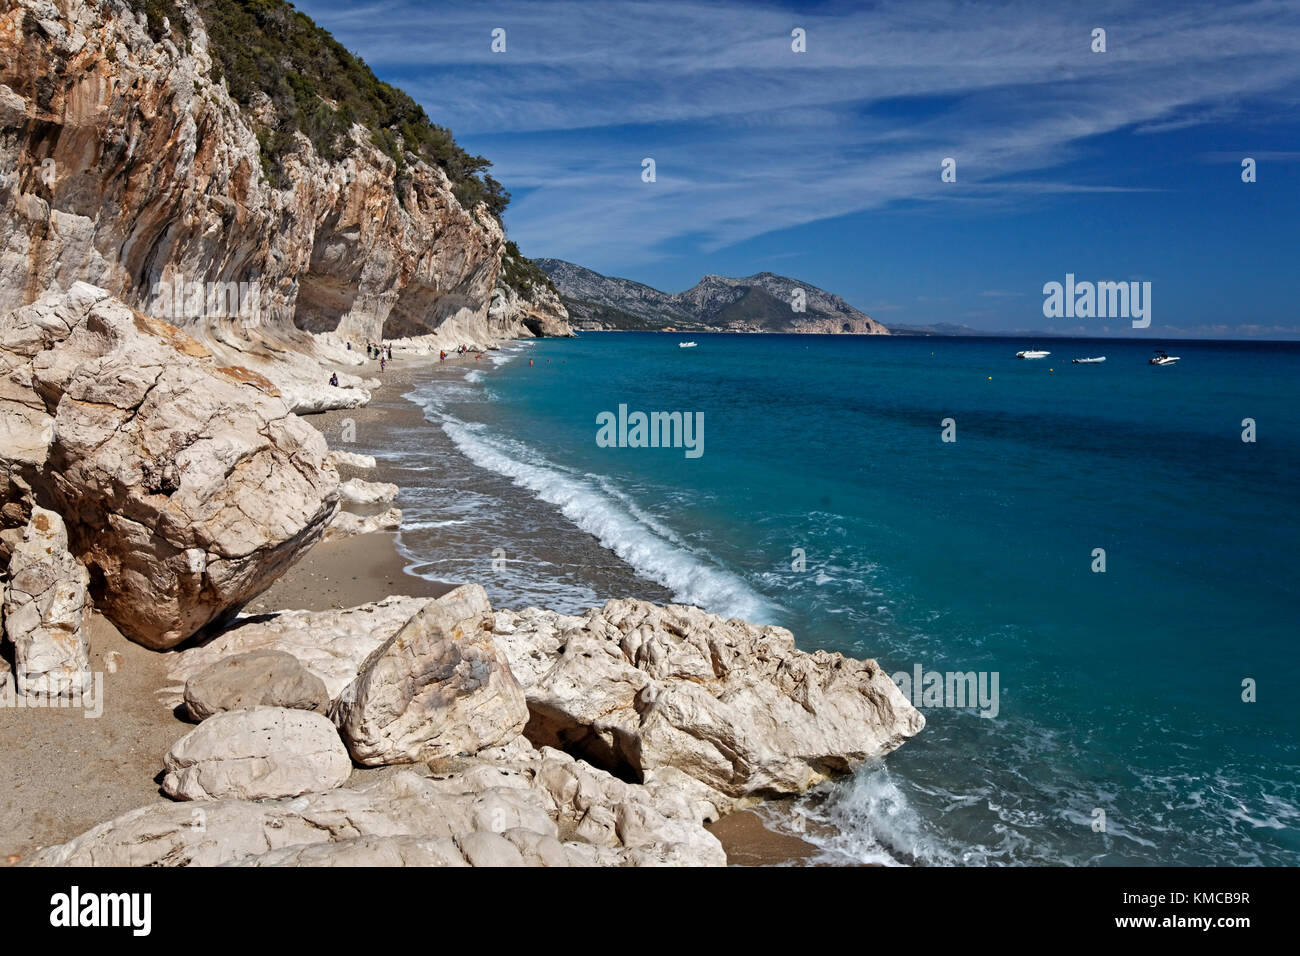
(939, 328)
(758, 303)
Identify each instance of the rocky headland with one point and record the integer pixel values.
(764, 302)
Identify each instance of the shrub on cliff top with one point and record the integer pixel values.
(320, 89)
(521, 273)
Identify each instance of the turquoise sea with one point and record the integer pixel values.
(826, 501)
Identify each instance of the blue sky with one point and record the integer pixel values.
(825, 165)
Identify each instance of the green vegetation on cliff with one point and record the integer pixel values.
(522, 274)
(320, 89)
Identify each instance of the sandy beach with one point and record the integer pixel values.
(69, 772)
(745, 837)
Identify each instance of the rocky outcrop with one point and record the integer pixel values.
(257, 754)
(346, 524)
(358, 492)
(46, 610)
(6, 672)
(261, 678)
(330, 644)
(437, 688)
(127, 164)
(722, 711)
(538, 311)
(707, 714)
(549, 808)
(764, 302)
(350, 459)
(187, 486)
(647, 690)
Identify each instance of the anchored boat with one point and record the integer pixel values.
(1032, 354)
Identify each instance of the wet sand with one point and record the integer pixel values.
(67, 772)
(744, 836)
(749, 842)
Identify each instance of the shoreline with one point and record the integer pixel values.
(93, 769)
(744, 835)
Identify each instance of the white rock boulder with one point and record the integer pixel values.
(259, 678)
(653, 691)
(187, 487)
(358, 492)
(46, 611)
(352, 459)
(330, 644)
(256, 754)
(547, 807)
(346, 524)
(437, 688)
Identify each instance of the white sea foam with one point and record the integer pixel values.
(430, 525)
(652, 550)
(871, 820)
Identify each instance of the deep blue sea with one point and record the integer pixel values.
(1120, 692)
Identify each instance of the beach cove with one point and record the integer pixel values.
(334, 704)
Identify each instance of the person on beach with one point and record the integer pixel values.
(334, 379)
(442, 356)
(382, 363)
(390, 353)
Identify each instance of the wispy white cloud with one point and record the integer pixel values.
(750, 137)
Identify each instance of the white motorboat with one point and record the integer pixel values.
(1032, 353)
(686, 345)
(1161, 358)
(1090, 361)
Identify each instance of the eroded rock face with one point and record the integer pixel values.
(6, 673)
(46, 609)
(359, 492)
(346, 524)
(437, 688)
(509, 805)
(365, 851)
(266, 752)
(538, 312)
(671, 690)
(350, 459)
(187, 487)
(127, 165)
(330, 644)
(261, 678)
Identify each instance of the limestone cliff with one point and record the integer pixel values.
(125, 162)
(526, 302)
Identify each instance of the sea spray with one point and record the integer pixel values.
(912, 554)
(691, 576)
